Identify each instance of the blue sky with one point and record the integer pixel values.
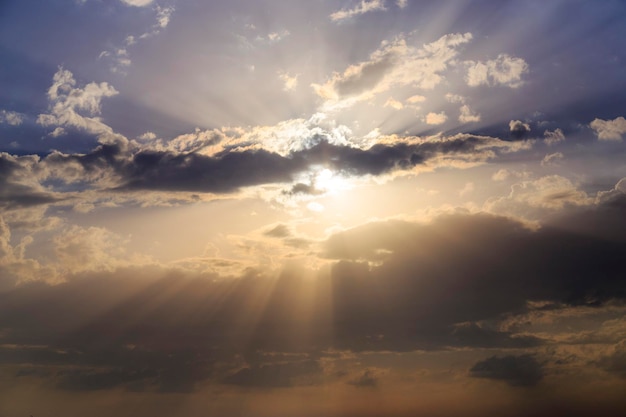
(269, 207)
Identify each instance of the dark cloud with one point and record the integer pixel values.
(17, 188)
(517, 371)
(301, 188)
(615, 362)
(280, 375)
(474, 335)
(115, 166)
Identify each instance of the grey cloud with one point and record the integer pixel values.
(517, 371)
(115, 165)
(17, 185)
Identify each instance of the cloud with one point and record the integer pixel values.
(532, 199)
(137, 3)
(615, 361)
(504, 70)
(554, 137)
(11, 118)
(364, 6)
(552, 159)
(415, 99)
(276, 375)
(164, 14)
(210, 161)
(436, 118)
(609, 129)
(391, 286)
(518, 128)
(67, 102)
(395, 104)
(366, 380)
(394, 63)
(19, 185)
(290, 81)
(402, 3)
(467, 116)
(517, 371)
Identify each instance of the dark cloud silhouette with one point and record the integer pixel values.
(517, 371)
(116, 166)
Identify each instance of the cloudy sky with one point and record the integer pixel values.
(317, 208)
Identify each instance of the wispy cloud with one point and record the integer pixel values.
(364, 6)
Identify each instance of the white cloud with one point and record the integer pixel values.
(402, 3)
(436, 118)
(137, 3)
(504, 70)
(554, 137)
(467, 116)
(609, 129)
(11, 118)
(148, 136)
(363, 7)
(67, 102)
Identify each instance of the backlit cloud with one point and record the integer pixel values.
(76, 107)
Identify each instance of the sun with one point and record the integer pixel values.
(330, 182)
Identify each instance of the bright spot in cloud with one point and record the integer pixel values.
(329, 182)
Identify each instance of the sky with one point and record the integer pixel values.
(341, 208)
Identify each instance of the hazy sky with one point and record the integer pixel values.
(333, 208)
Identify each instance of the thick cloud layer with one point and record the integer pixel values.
(396, 286)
